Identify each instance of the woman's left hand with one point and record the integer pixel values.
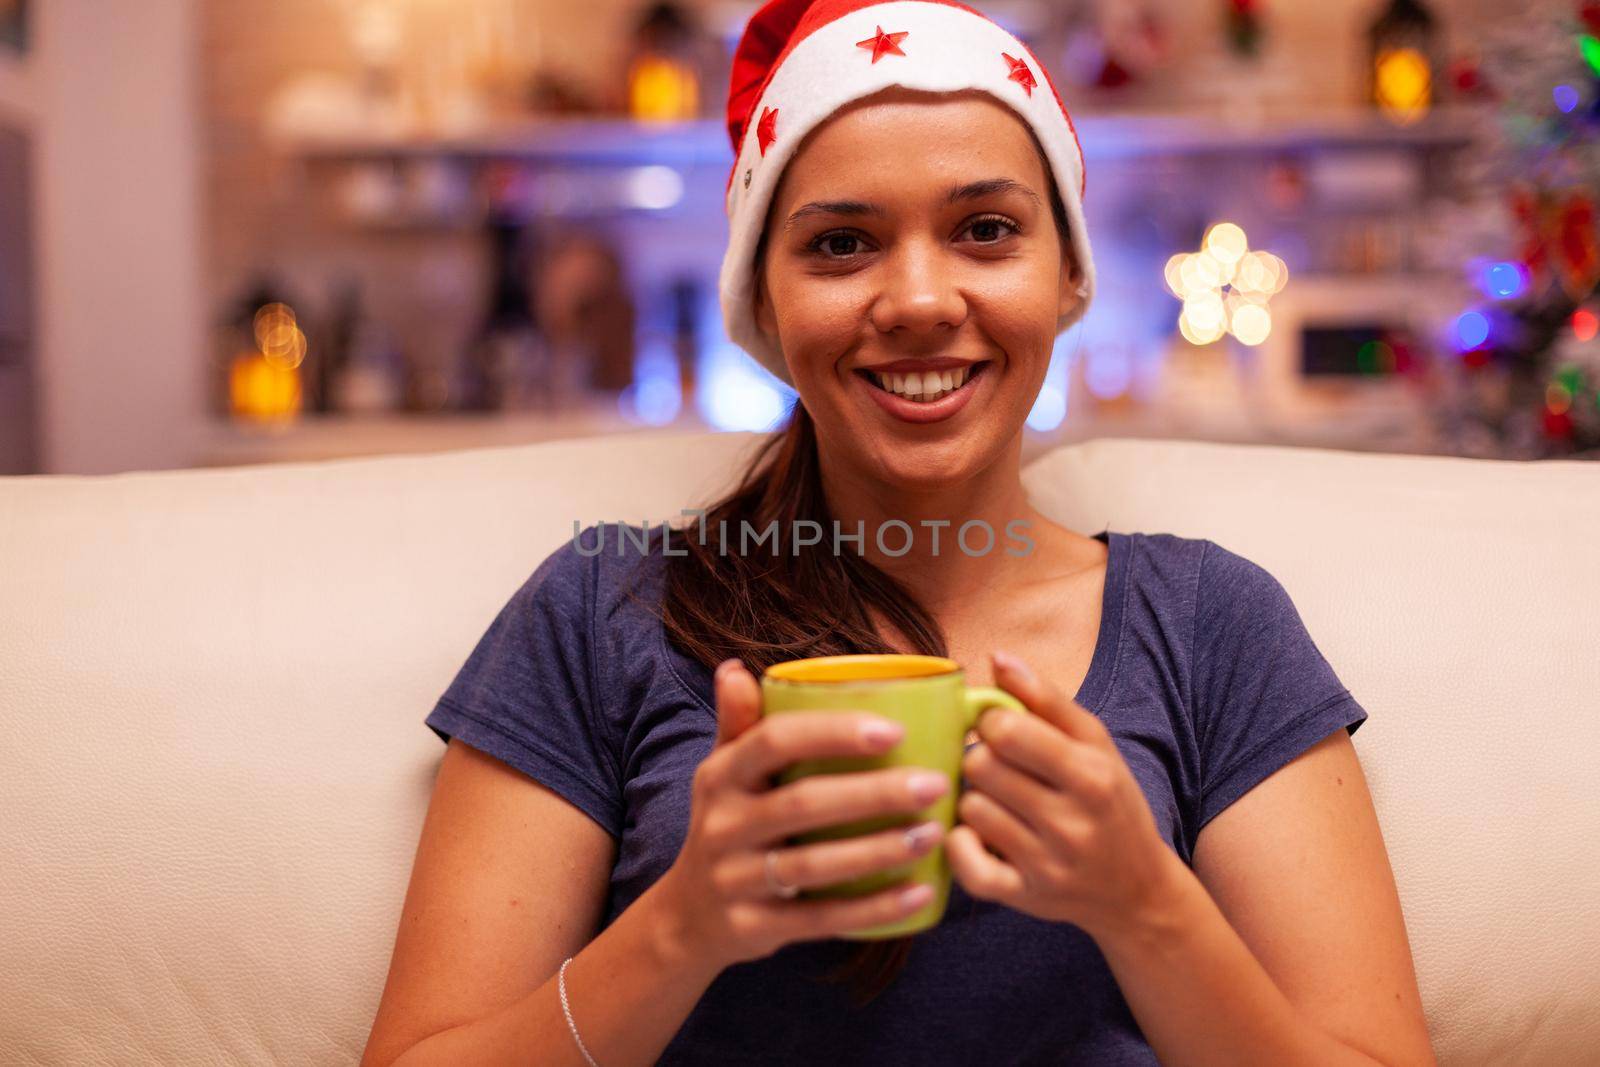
(1051, 793)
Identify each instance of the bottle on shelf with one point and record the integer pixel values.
(504, 362)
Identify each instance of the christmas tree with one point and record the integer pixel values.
(1526, 364)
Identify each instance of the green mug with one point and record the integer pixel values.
(929, 696)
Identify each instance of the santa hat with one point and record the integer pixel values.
(801, 60)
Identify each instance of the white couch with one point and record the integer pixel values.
(213, 764)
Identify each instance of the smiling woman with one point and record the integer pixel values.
(906, 243)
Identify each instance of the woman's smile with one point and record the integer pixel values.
(930, 395)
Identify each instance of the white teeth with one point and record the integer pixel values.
(925, 386)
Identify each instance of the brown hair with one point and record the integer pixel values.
(766, 608)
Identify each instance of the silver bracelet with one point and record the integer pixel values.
(561, 984)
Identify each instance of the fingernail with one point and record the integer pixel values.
(928, 785)
(922, 835)
(882, 732)
(916, 896)
(1011, 663)
(725, 666)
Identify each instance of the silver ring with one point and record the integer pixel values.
(787, 892)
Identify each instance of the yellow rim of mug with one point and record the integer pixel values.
(885, 667)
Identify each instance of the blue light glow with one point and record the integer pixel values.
(658, 400)
(1503, 280)
(1566, 98)
(1050, 406)
(655, 397)
(1471, 330)
(736, 394)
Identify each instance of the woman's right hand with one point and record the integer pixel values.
(719, 901)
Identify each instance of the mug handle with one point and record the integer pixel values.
(980, 698)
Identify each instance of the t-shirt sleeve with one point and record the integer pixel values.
(1263, 691)
(526, 694)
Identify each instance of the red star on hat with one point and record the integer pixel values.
(1020, 72)
(767, 128)
(884, 44)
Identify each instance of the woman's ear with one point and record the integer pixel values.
(1073, 288)
(766, 319)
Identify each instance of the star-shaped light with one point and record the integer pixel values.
(1225, 287)
(1020, 72)
(884, 44)
(767, 128)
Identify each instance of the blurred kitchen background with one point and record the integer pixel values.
(239, 232)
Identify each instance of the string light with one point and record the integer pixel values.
(1504, 280)
(1585, 324)
(1590, 47)
(1471, 330)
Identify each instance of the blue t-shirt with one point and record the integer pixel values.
(1203, 672)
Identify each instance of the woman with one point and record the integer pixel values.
(1174, 860)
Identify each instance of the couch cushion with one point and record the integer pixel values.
(214, 759)
(212, 687)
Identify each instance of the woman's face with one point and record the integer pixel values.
(913, 233)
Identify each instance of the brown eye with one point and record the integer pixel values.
(836, 245)
(992, 229)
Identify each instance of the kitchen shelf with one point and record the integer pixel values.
(601, 141)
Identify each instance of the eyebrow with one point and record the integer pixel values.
(969, 191)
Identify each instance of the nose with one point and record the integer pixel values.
(919, 295)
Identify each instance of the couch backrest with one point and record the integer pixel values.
(212, 686)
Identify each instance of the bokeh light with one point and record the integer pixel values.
(1049, 409)
(1504, 280)
(278, 335)
(1585, 324)
(1050, 406)
(263, 390)
(654, 187)
(1196, 335)
(1226, 243)
(733, 393)
(656, 394)
(1251, 324)
(1471, 330)
(1590, 47)
(1404, 84)
(1225, 287)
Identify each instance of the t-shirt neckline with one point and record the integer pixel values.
(1096, 681)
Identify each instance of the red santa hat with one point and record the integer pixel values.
(801, 60)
